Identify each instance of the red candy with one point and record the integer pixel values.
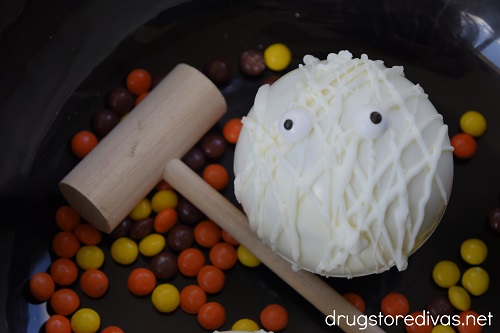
(395, 304)
(356, 301)
(139, 81)
(190, 261)
(464, 145)
(274, 317)
(211, 316)
(192, 299)
(223, 256)
(82, 143)
(216, 175)
(231, 130)
(211, 279)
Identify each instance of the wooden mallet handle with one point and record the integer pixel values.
(147, 146)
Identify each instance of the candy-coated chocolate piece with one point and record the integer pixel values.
(474, 251)
(164, 265)
(439, 306)
(459, 298)
(494, 219)
(180, 238)
(446, 273)
(476, 281)
(277, 56)
(252, 63)
(473, 123)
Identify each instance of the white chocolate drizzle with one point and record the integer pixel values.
(369, 216)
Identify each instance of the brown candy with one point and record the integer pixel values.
(195, 159)
(122, 229)
(141, 228)
(164, 265)
(252, 63)
(104, 121)
(218, 70)
(180, 238)
(439, 306)
(494, 219)
(121, 101)
(213, 145)
(188, 213)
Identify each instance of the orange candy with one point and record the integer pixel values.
(469, 322)
(88, 234)
(211, 279)
(94, 283)
(57, 324)
(207, 233)
(64, 271)
(356, 301)
(395, 304)
(65, 244)
(165, 220)
(139, 81)
(274, 317)
(231, 130)
(190, 261)
(140, 98)
(223, 256)
(141, 281)
(67, 218)
(420, 323)
(229, 239)
(211, 316)
(112, 329)
(216, 175)
(82, 143)
(192, 298)
(42, 286)
(464, 145)
(64, 302)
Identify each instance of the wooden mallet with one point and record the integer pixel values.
(147, 146)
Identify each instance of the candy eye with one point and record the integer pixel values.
(370, 122)
(295, 125)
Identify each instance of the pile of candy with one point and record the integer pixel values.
(166, 229)
(454, 309)
(176, 238)
(473, 126)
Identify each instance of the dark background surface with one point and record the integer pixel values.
(58, 60)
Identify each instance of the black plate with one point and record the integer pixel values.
(58, 60)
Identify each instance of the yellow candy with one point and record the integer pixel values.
(277, 57)
(473, 123)
(246, 257)
(476, 281)
(474, 251)
(166, 297)
(151, 245)
(446, 273)
(246, 325)
(442, 329)
(89, 256)
(459, 298)
(164, 199)
(85, 320)
(141, 211)
(124, 251)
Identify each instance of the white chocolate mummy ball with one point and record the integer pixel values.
(343, 166)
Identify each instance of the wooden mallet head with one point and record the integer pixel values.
(122, 169)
